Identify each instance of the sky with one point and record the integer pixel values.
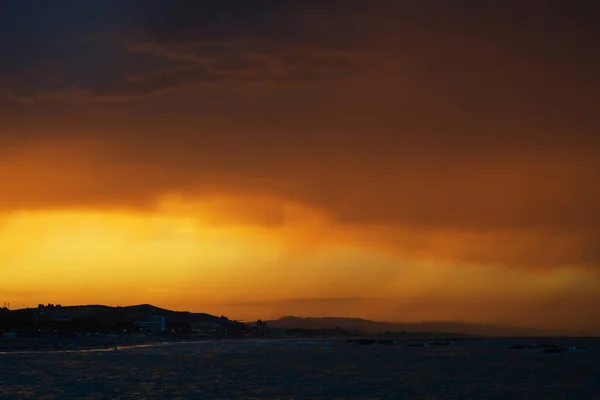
(400, 161)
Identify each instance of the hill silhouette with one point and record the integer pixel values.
(111, 315)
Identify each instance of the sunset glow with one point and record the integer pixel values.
(434, 169)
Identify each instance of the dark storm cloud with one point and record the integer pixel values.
(49, 47)
(424, 117)
(132, 48)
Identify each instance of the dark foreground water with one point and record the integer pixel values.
(309, 370)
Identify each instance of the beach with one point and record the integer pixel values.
(58, 343)
(311, 369)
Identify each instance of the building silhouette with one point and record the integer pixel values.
(155, 325)
(261, 328)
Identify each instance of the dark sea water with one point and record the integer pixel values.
(306, 370)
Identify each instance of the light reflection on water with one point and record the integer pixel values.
(301, 370)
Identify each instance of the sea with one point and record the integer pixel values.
(307, 369)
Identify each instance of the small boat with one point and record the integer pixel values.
(440, 343)
(418, 345)
(523, 346)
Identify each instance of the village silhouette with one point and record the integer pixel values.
(54, 326)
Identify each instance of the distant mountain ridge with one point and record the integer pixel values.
(358, 325)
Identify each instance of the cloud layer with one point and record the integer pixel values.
(465, 132)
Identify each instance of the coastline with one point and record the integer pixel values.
(81, 343)
(51, 344)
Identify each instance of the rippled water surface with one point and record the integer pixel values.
(304, 370)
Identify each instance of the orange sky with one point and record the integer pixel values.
(444, 168)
